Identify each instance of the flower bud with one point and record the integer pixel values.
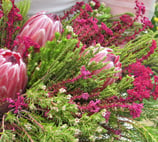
(112, 62)
(40, 28)
(13, 77)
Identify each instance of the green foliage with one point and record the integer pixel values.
(150, 111)
(60, 60)
(153, 131)
(117, 88)
(145, 134)
(6, 6)
(103, 13)
(7, 136)
(54, 61)
(136, 48)
(24, 7)
(59, 124)
(154, 19)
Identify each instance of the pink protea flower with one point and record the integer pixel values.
(112, 62)
(13, 76)
(41, 28)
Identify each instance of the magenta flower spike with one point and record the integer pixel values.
(13, 77)
(40, 28)
(112, 61)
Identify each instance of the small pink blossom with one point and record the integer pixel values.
(135, 110)
(93, 106)
(126, 19)
(88, 8)
(17, 104)
(85, 73)
(106, 29)
(107, 116)
(142, 82)
(1, 14)
(85, 96)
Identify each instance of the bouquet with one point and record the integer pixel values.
(80, 77)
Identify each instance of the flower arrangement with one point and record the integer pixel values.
(87, 83)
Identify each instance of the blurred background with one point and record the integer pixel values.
(155, 17)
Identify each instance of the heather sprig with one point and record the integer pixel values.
(9, 28)
(17, 104)
(11, 21)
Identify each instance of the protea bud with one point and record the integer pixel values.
(13, 77)
(40, 28)
(112, 62)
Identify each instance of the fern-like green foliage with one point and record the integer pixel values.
(7, 136)
(149, 118)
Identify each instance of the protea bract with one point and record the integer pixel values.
(13, 76)
(40, 28)
(105, 55)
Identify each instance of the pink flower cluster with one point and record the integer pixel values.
(92, 107)
(90, 31)
(143, 86)
(17, 104)
(127, 104)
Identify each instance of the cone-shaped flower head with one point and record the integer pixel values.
(112, 62)
(13, 76)
(41, 28)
